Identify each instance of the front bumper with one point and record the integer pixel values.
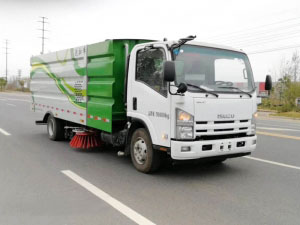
(212, 148)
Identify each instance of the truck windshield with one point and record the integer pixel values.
(213, 69)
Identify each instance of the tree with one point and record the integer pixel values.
(287, 89)
(291, 67)
(21, 82)
(2, 83)
(295, 66)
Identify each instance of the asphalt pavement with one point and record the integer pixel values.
(47, 182)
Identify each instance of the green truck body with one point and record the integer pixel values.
(95, 87)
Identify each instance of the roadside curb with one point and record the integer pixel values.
(267, 114)
(284, 117)
(279, 117)
(265, 110)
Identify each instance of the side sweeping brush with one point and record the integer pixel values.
(85, 140)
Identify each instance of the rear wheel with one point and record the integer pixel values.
(144, 158)
(55, 128)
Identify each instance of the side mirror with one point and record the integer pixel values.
(169, 71)
(268, 83)
(182, 87)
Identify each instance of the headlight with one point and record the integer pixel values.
(184, 118)
(184, 125)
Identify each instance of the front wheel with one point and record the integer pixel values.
(55, 129)
(144, 158)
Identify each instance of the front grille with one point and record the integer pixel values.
(220, 127)
(201, 122)
(220, 122)
(201, 131)
(216, 137)
(219, 130)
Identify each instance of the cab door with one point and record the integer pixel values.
(148, 97)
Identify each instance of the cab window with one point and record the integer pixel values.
(149, 69)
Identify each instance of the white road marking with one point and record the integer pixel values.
(15, 99)
(131, 214)
(275, 128)
(294, 126)
(278, 135)
(15, 94)
(11, 104)
(272, 162)
(4, 132)
(277, 118)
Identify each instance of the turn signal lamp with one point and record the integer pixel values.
(183, 116)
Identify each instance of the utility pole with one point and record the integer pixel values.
(43, 21)
(6, 53)
(19, 74)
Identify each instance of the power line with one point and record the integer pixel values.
(260, 33)
(254, 28)
(268, 39)
(274, 49)
(6, 58)
(43, 32)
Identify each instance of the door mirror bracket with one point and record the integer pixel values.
(182, 88)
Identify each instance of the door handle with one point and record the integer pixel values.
(134, 103)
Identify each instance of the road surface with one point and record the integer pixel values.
(46, 182)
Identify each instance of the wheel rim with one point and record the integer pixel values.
(50, 128)
(140, 151)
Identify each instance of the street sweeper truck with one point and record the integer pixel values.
(153, 99)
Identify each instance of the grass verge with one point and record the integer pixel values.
(288, 114)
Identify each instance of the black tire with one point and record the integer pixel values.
(141, 139)
(55, 129)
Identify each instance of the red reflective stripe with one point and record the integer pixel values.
(81, 114)
(74, 113)
(68, 111)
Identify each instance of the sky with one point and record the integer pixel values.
(254, 26)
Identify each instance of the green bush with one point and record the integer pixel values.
(289, 97)
(2, 84)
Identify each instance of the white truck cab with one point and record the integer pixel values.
(197, 100)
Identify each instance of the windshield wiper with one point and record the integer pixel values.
(240, 91)
(182, 41)
(203, 89)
